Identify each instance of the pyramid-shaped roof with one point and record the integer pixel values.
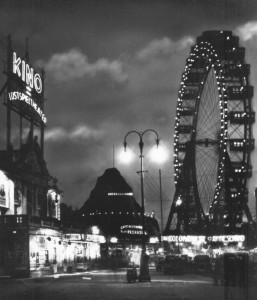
(111, 194)
(111, 204)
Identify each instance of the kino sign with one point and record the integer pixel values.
(33, 83)
(26, 73)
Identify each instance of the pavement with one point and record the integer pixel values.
(107, 284)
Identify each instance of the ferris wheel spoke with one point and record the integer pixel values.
(208, 122)
(206, 169)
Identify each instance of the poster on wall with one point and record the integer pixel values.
(6, 187)
(2, 195)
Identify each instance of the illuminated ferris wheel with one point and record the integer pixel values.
(213, 138)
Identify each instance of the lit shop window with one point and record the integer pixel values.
(53, 204)
(95, 230)
(120, 194)
(6, 191)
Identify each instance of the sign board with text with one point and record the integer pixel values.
(198, 239)
(25, 90)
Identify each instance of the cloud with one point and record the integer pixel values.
(185, 42)
(85, 132)
(55, 134)
(247, 31)
(163, 47)
(74, 65)
(78, 133)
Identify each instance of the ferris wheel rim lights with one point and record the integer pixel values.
(214, 64)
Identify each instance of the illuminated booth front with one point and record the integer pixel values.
(81, 249)
(45, 249)
(128, 243)
(56, 251)
(192, 245)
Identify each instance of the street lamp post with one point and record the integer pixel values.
(144, 268)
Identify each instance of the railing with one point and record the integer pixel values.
(14, 220)
(25, 220)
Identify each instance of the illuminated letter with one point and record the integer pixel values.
(38, 83)
(29, 76)
(16, 65)
(23, 70)
(34, 105)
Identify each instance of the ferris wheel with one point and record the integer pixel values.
(213, 138)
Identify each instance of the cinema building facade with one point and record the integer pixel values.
(33, 240)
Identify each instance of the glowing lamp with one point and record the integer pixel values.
(126, 155)
(113, 240)
(159, 154)
(95, 230)
(178, 202)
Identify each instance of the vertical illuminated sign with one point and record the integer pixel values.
(33, 81)
(26, 73)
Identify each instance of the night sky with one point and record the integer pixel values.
(112, 67)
